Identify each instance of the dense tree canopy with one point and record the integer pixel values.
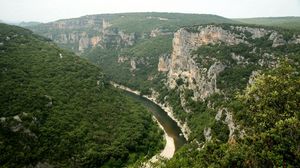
(58, 109)
(268, 110)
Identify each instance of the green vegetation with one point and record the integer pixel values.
(232, 79)
(266, 110)
(145, 22)
(58, 109)
(27, 24)
(265, 120)
(269, 112)
(145, 51)
(292, 23)
(145, 54)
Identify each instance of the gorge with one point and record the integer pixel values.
(127, 89)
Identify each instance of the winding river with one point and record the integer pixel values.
(169, 126)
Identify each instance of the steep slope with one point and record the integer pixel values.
(127, 40)
(292, 23)
(208, 66)
(268, 112)
(28, 24)
(117, 30)
(209, 63)
(58, 110)
(196, 74)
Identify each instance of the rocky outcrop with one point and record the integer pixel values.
(84, 33)
(192, 67)
(225, 116)
(159, 32)
(295, 39)
(182, 65)
(253, 75)
(254, 32)
(133, 65)
(95, 40)
(115, 38)
(207, 134)
(204, 35)
(163, 63)
(122, 59)
(240, 60)
(268, 60)
(15, 124)
(277, 39)
(83, 43)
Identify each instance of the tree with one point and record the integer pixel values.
(272, 104)
(273, 96)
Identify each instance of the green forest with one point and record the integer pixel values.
(292, 23)
(57, 109)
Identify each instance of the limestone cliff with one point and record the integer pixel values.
(218, 60)
(83, 33)
(163, 63)
(183, 64)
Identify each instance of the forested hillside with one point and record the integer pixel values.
(268, 113)
(292, 23)
(133, 42)
(236, 87)
(59, 110)
(233, 87)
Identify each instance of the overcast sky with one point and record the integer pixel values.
(50, 10)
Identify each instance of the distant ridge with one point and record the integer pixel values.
(289, 22)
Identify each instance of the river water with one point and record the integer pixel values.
(169, 125)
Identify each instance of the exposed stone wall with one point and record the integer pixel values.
(85, 33)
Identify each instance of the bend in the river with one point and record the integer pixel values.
(172, 130)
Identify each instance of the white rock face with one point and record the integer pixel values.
(182, 66)
(17, 117)
(230, 123)
(277, 39)
(122, 59)
(207, 134)
(163, 64)
(233, 128)
(256, 32)
(127, 39)
(239, 59)
(133, 65)
(154, 32)
(83, 43)
(157, 32)
(63, 38)
(105, 24)
(219, 115)
(202, 79)
(87, 33)
(253, 75)
(295, 39)
(2, 119)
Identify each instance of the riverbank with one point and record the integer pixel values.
(169, 148)
(166, 107)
